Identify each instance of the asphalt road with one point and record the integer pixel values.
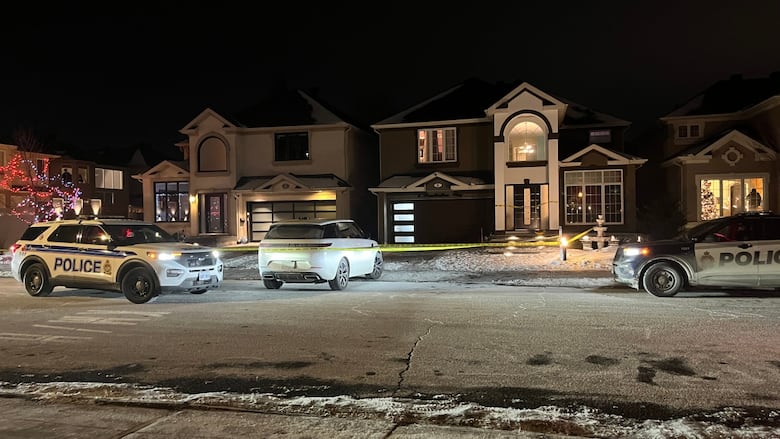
(619, 351)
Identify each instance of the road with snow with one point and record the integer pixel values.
(607, 350)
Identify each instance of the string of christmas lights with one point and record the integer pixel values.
(21, 177)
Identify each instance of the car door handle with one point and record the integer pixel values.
(745, 245)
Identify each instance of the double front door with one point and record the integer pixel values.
(526, 207)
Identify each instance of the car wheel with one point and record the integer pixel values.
(198, 291)
(342, 276)
(662, 280)
(138, 285)
(378, 267)
(36, 281)
(272, 284)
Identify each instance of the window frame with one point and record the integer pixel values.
(586, 192)
(102, 184)
(288, 152)
(182, 200)
(425, 152)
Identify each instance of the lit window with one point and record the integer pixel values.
(436, 145)
(527, 142)
(593, 193)
(108, 178)
(172, 201)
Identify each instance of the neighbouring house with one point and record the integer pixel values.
(720, 149)
(105, 175)
(483, 160)
(13, 225)
(290, 156)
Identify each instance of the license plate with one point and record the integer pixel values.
(204, 275)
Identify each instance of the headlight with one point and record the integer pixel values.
(636, 251)
(215, 253)
(163, 256)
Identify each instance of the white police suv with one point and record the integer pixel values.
(139, 259)
(740, 251)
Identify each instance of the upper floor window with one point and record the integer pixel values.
(42, 165)
(689, 131)
(436, 145)
(66, 174)
(291, 146)
(527, 143)
(83, 176)
(212, 155)
(600, 136)
(108, 178)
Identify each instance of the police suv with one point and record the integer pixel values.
(741, 251)
(139, 259)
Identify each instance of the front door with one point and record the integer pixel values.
(215, 213)
(527, 206)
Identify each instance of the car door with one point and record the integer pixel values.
(725, 257)
(360, 253)
(96, 258)
(767, 252)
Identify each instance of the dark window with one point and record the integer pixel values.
(600, 136)
(65, 234)
(291, 146)
(94, 235)
(32, 233)
(682, 131)
(212, 155)
(694, 131)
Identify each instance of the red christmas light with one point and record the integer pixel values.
(21, 176)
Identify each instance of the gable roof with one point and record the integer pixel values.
(703, 151)
(613, 157)
(466, 100)
(283, 107)
(475, 99)
(729, 96)
(179, 167)
(416, 183)
(296, 181)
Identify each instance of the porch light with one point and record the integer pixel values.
(193, 198)
(78, 205)
(95, 204)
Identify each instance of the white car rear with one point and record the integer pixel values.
(317, 251)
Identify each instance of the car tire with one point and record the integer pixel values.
(36, 281)
(272, 284)
(341, 280)
(662, 280)
(198, 291)
(378, 267)
(139, 285)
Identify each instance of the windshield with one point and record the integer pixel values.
(295, 231)
(128, 234)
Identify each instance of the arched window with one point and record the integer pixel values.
(527, 143)
(212, 155)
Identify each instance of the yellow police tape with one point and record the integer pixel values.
(544, 242)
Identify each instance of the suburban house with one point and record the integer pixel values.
(289, 157)
(483, 160)
(719, 149)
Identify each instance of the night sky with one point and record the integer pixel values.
(111, 79)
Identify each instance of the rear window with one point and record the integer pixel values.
(295, 231)
(33, 232)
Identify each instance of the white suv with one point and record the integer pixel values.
(317, 251)
(139, 259)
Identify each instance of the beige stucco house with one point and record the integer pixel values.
(242, 173)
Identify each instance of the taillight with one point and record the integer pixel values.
(16, 247)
